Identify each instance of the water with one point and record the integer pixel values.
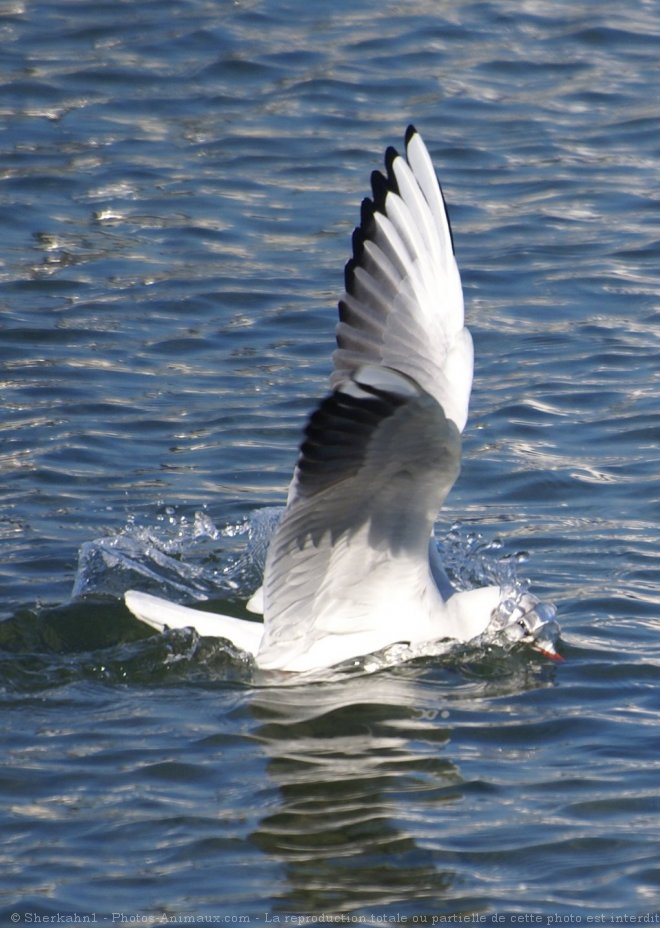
(178, 184)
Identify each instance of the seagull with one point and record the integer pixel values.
(352, 567)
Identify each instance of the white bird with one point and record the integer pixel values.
(352, 568)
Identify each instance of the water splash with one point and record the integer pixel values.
(178, 556)
(190, 558)
(472, 561)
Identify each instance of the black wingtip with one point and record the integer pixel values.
(451, 231)
(410, 131)
(349, 269)
(358, 243)
(391, 154)
(380, 189)
(358, 249)
(366, 214)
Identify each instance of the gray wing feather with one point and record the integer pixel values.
(378, 458)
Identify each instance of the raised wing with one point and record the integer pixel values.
(347, 569)
(403, 305)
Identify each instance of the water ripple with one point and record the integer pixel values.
(177, 193)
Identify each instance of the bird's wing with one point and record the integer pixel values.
(403, 305)
(347, 568)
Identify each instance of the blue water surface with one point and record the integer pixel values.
(178, 186)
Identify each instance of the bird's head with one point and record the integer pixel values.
(524, 619)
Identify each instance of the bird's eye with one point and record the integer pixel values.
(523, 625)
